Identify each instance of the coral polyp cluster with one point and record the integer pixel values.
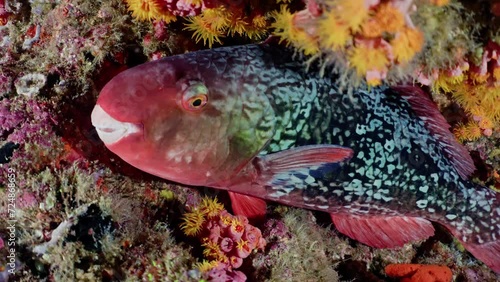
(215, 23)
(371, 37)
(476, 87)
(227, 239)
(164, 10)
(209, 21)
(196, 218)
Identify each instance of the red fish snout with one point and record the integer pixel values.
(137, 93)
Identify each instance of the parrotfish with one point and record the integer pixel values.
(254, 121)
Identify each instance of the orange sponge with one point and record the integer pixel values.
(419, 272)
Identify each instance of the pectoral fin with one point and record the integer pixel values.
(288, 170)
(251, 207)
(297, 167)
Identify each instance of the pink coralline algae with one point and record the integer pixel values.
(27, 131)
(277, 234)
(184, 8)
(189, 8)
(25, 122)
(221, 273)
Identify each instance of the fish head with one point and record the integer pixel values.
(183, 122)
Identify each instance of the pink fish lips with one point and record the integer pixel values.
(111, 130)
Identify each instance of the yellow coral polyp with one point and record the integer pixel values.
(440, 2)
(255, 33)
(148, 10)
(143, 9)
(259, 21)
(374, 81)
(446, 83)
(485, 123)
(371, 28)
(465, 95)
(283, 25)
(351, 12)
(496, 73)
(306, 43)
(468, 132)
(332, 34)
(479, 78)
(474, 132)
(365, 59)
(285, 28)
(489, 95)
(389, 18)
(238, 25)
(217, 17)
(193, 222)
(257, 29)
(206, 266)
(194, 2)
(203, 30)
(226, 220)
(210, 207)
(407, 43)
(212, 251)
(477, 111)
(460, 132)
(242, 244)
(237, 225)
(489, 99)
(479, 100)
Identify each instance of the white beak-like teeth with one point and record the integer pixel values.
(109, 129)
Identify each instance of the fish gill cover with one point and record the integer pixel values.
(73, 211)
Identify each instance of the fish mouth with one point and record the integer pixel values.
(109, 129)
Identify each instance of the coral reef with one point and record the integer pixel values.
(72, 211)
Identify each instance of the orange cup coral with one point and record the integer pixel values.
(227, 239)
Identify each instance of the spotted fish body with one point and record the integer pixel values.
(269, 127)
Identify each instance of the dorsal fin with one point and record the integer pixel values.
(424, 107)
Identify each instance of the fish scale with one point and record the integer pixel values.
(367, 121)
(386, 154)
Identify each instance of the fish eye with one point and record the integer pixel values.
(195, 97)
(198, 101)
